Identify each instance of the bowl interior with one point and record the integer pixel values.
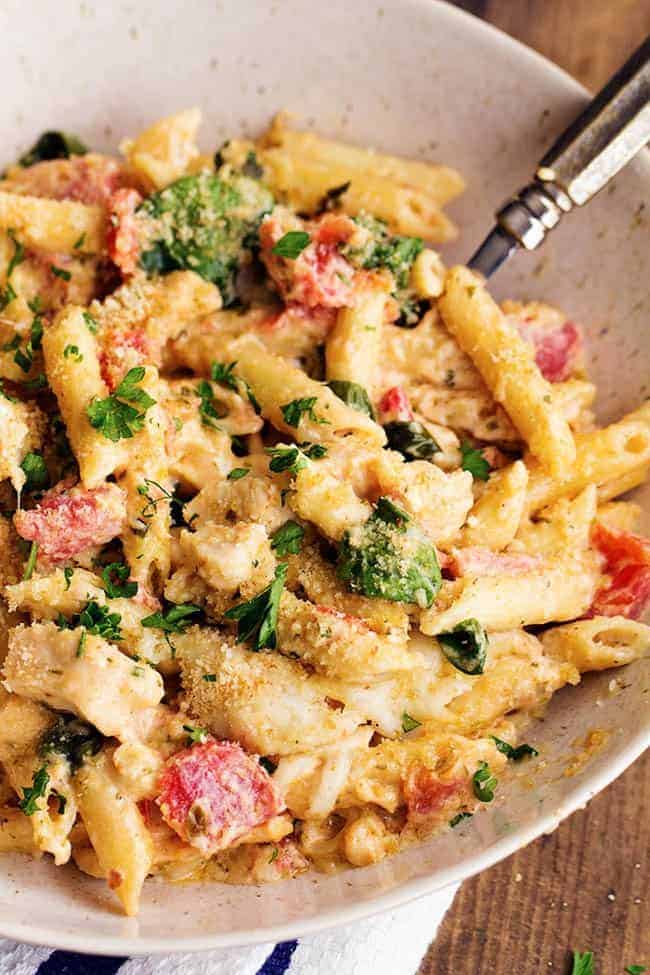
(414, 77)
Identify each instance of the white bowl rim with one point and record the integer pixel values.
(586, 788)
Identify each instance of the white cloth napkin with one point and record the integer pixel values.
(393, 943)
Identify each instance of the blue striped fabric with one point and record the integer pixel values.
(279, 960)
(70, 963)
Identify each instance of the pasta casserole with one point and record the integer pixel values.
(299, 526)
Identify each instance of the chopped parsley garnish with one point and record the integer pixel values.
(583, 963)
(79, 242)
(293, 411)
(72, 738)
(459, 817)
(72, 352)
(389, 557)
(465, 646)
(274, 854)
(353, 394)
(292, 244)
(258, 617)
(514, 754)
(484, 783)
(35, 384)
(208, 410)
(60, 272)
(7, 296)
(91, 324)
(38, 790)
(115, 416)
(151, 506)
(287, 539)
(174, 619)
(411, 439)
(294, 459)
(197, 736)
(210, 678)
(36, 474)
(474, 461)
(31, 562)
(224, 373)
(635, 969)
(204, 223)
(81, 646)
(68, 572)
(237, 473)
(115, 576)
(18, 255)
(99, 620)
(409, 723)
(53, 145)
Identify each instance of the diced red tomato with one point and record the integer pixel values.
(213, 793)
(476, 561)
(68, 522)
(90, 179)
(627, 563)
(319, 275)
(426, 794)
(557, 344)
(394, 405)
(121, 350)
(122, 236)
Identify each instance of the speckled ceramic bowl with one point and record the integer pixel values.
(410, 76)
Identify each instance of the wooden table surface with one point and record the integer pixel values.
(587, 886)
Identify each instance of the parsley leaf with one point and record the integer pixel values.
(583, 963)
(484, 783)
(237, 473)
(60, 272)
(99, 620)
(353, 395)
(72, 738)
(207, 409)
(293, 411)
(635, 969)
(174, 619)
(459, 817)
(91, 324)
(210, 678)
(68, 573)
(31, 562)
(31, 794)
(411, 439)
(115, 575)
(465, 646)
(223, 373)
(258, 617)
(409, 723)
(114, 416)
(18, 255)
(474, 461)
(293, 459)
(35, 471)
(72, 352)
(292, 244)
(287, 539)
(197, 736)
(512, 753)
(53, 145)
(389, 557)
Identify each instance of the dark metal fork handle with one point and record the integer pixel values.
(612, 129)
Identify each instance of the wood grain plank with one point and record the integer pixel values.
(588, 38)
(585, 887)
